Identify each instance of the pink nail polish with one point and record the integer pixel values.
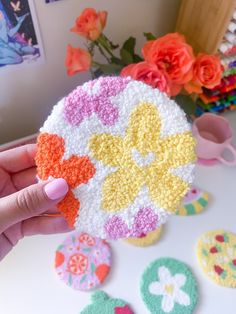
(56, 189)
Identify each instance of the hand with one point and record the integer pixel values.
(27, 207)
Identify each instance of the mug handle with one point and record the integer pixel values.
(232, 149)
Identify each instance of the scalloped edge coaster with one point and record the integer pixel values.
(194, 202)
(216, 254)
(169, 286)
(103, 304)
(146, 240)
(83, 262)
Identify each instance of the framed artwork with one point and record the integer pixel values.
(20, 42)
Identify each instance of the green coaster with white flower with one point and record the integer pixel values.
(168, 286)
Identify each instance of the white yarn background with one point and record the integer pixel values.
(92, 217)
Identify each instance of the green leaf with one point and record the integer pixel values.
(204, 252)
(137, 58)
(86, 250)
(93, 267)
(126, 56)
(129, 45)
(83, 279)
(60, 247)
(110, 68)
(186, 103)
(70, 280)
(117, 61)
(149, 36)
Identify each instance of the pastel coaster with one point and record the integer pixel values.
(126, 151)
(103, 304)
(168, 286)
(83, 262)
(146, 240)
(194, 202)
(216, 253)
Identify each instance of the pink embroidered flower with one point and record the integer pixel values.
(144, 222)
(94, 97)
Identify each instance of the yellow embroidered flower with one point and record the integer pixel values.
(143, 159)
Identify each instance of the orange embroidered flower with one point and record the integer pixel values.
(90, 23)
(75, 170)
(77, 60)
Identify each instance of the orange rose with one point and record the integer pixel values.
(147, 73)
(90, 23)
(207, 72)
(77, 60)
(172, 55)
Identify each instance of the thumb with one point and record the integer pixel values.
(30, 202)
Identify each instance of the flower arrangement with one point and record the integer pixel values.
(167, 63)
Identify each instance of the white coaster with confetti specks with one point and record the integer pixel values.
(83, 262)
(194, 202)
(168, 286)
(126, 151)
(216, 252)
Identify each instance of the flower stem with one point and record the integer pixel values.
(102, 52)
(103, 42)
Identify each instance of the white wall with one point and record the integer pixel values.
(27, 95)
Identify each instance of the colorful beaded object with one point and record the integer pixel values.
(216, 252)
(126, 151)
(82, 261)
(146, 239)
(194, 202)
(168, 286)
(103, 304)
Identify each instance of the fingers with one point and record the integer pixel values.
(5, 246)
(17, 159)
(44, 225)
(31, 226)
(24, 178)
(31, 201)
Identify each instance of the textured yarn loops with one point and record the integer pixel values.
(216, 252)
(126, 151)
(103, 304)
(194, 202)
(168, 286)
(146, 239)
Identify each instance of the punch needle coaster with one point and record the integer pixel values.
(82, 261)
(126, 151)
(194, 202)
(168, 286)
(146, 239)
(103, 304)
(216, 252)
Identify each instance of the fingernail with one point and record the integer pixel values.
(56, 189)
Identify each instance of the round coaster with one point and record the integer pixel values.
(194, 202)
(126, 151)
(168, 286)
(102, 303)
(82, 261)
(146, 240)
(216, 252)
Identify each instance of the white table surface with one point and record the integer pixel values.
(29, 285)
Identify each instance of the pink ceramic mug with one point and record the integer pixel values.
(214, 135)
